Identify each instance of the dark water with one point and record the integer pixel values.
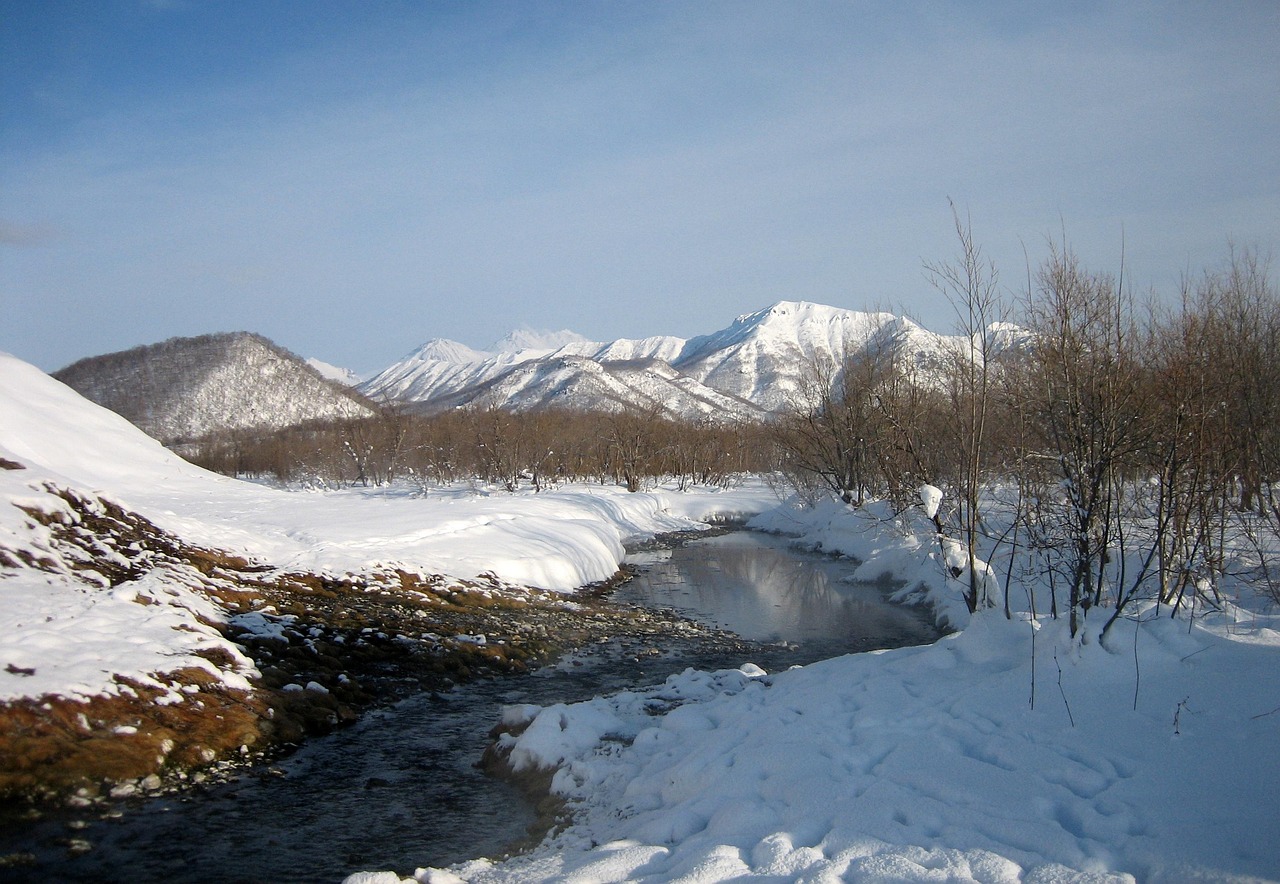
(399, 790)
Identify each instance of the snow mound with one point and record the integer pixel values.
(922, 764)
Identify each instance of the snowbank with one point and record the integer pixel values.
(926, 764)
(1005, 752)
(64, 630)
(62, 637)
(896, 546)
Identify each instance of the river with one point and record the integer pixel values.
(400, 790)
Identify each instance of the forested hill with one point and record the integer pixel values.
(184, 388)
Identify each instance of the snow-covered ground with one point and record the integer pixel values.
(77, 637)
(1006, 752)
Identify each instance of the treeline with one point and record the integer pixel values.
(514, 450)
(1121, 448)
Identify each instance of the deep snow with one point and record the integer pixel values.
(77, 637)
(1005, 752)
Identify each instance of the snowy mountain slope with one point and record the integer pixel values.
(422, 377)
(441, 368)
(442, 374)
(444, 350)
(760, 359)
(522, 339)
(764, 356)
(663, 347)
(569, 381)
(344, 376)
(184, 388)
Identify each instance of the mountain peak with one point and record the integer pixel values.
(445, 350)
(749, 369)
(793, 313)
(531, 339)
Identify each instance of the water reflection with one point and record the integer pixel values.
(759, 587)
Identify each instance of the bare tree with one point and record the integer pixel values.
(1086, 407)
(831, 435)
(970, 284)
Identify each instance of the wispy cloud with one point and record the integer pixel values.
(20, 235)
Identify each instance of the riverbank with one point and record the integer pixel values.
(157, 620)
(321, 650)
(399, 789)
(1008, 751)
(281, 654)
(289, 654)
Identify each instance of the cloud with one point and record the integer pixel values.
(20, 235)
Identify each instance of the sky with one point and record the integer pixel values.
(352, 179)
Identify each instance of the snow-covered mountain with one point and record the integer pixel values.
(185, 388)
(528, 370)
(528, 339)
(344, 376)
(764, 356)
(747, 370)
(565, 380)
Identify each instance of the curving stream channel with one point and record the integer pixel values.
(400, 790)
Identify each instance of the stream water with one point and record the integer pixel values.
(400, 790)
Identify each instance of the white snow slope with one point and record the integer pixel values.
(1006, 752)
(334, 372)
(555, 540)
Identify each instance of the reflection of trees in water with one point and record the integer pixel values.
(763, 591)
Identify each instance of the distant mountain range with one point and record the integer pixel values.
(187, 387)
(748, 370)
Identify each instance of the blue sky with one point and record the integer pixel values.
(354, 178)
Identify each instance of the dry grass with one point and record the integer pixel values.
(54, 745)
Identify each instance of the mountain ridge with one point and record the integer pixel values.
(755, 367)
(750, 369)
